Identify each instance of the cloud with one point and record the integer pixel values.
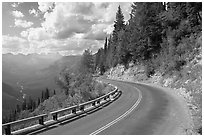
(64, 23)
(106, 12)
(70, 28)
(77, 24)
(14, 44)
(24, 34)
(17, 14)
(37, 34)
(69, 46)
(97, 32)
(34, 12)
(68, 19)
(14, 5)
(45, 6)
(22, 23)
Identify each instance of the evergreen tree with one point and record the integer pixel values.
(97, 59)
(65, 81)
(87, 63)
(105, 46)
(109, 52)
(147, 27)
(33, 105)
(11, 117)
(24, 104)
(124, 51)
(38, 103)
(18, 109)
(30, 103)
(119, 23)
(118, 26)
(54, 92)
(42, 96)
(102, 62)
(47, 93)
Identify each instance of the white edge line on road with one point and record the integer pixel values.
(121, 117)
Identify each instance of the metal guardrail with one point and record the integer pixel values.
(73, 109)
(7, 126)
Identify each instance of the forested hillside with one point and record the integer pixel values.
(161, 44)
(158, 35)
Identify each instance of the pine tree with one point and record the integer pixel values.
(30, 103)
(18, 109)
(64, 81)
(124, 51)
(33, 105)
(87, 63)
(102, 62)
(119, 23)
(47, 93)
(38, 103)
(54, 92)
(105, 46)
(147, 27)
(24, 104)
(67, 78)
(42, 96)
(109, 52)
(118, 26)
(97, 59)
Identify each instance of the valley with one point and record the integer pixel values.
(28, 75)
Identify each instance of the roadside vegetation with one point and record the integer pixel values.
(74, 87)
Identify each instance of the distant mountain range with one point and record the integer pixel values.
(30, 74)
(10, 98)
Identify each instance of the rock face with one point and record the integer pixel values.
(133, 73)
(187, 83)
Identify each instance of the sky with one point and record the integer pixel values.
(66, 28)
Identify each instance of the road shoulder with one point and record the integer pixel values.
(182, 115)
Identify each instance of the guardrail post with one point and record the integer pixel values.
(108, 97)
(41, 121)
(94, 103)
(98, 101)
(54, 116)
(82, 108)
(111, 97)
(115, 93)
(74, 110)
(8, 130)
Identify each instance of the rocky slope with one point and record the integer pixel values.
(186, 83)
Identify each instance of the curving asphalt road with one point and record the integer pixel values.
(140, 110)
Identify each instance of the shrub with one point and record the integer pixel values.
(149, 69)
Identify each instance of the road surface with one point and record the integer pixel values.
(140, 110)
